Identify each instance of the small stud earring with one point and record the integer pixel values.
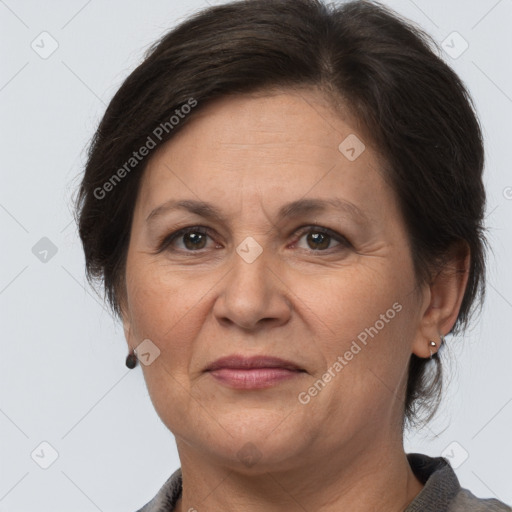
(434, 344)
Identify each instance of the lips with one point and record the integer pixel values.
(238, 362)
(253, 373)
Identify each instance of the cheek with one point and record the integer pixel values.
(363, 327)
(164, 307)
(347, 301)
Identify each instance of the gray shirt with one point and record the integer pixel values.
(441, 492)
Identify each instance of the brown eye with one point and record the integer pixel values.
(319, 239)
(195, 239)
(192, 239)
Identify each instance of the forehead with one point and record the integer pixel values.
(264, 121)
(276, 146)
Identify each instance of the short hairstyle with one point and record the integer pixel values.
(383, 69)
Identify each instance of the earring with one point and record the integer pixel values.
(131, 360)
(434, 344)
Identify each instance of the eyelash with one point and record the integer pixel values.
(166, 241)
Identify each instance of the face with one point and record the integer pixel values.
(327, 284)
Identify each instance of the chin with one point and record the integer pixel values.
(257, 443)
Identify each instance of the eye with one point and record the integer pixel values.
(319, 238)
(193, 239)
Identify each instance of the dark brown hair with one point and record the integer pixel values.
(386, 71)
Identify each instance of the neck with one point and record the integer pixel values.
(377, 479)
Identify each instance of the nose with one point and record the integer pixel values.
(253, 294)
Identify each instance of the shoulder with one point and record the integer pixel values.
(442, 491)
(466, 501)
(167, 496)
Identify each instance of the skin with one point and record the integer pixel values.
(249, 155)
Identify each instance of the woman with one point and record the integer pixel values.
(285, 203)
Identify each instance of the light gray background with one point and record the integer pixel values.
(62, 360)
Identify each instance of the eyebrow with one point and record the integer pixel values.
(294, 209)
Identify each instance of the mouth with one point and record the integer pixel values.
(239, 362)
(255, 372)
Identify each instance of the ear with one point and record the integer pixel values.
(443, 299)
